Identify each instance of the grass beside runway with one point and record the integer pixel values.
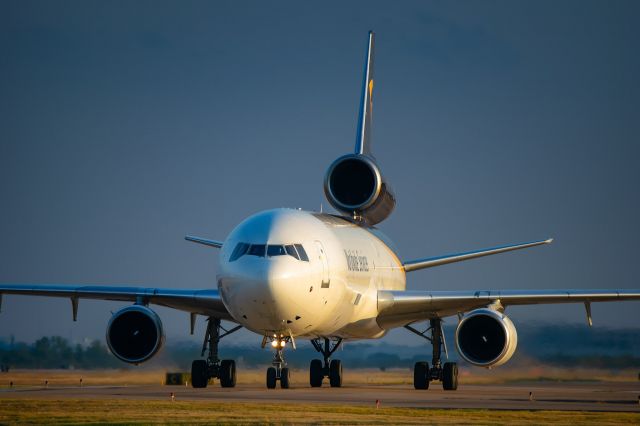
(14, 411)
(300, 378)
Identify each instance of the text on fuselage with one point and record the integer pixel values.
(355, 262)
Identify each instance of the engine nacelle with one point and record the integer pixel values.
(354, 186)
(486, 338)
(135, 334)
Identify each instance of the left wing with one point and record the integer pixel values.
(203, 302)
(398, 308)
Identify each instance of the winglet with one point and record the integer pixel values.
(363, 135)
(210, 243)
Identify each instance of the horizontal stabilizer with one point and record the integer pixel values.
(210, 243)
(413, 265)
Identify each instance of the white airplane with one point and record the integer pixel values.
(289, 274)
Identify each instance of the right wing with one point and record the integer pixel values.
(203, 302)
(399, 308)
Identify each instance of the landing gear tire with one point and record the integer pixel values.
(315, 373)
(199, 374)
(335, 373)
(450, 376)
(228, 373)
(285, 378)
(271, 378)
(421, 375)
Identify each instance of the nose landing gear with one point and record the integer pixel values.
(333, 370)
(204, 369)
(447, 373)
(279, 371)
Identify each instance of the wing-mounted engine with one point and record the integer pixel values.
(354, 186)
(486, 338)
(135, 334)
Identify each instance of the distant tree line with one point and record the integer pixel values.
(56, 352)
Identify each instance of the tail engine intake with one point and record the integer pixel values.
(354, 186)
(486, 338)
(134, 334)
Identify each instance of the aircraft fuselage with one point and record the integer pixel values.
(330, 289)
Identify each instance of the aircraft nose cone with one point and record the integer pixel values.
(264, 299)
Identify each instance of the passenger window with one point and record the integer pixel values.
(291, 251)
(257, 250)
(239, 251)
(275, 251)
(302, 253)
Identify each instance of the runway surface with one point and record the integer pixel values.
(582, 396)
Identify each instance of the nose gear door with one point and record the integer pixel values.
(325, 264)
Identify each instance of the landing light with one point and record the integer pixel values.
(280, 343)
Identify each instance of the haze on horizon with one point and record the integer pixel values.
(126, 125)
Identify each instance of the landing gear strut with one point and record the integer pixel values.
(333, 370)
(279, 371)
(204, 369)
(447, 373)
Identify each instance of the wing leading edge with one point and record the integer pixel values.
(203, 302)
(399, 308)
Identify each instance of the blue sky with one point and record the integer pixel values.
(126, 125)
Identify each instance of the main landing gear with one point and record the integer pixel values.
(447, 373)
(279, 371)
(333, 370)
(204, 369)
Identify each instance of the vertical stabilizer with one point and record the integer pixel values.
(363, 135)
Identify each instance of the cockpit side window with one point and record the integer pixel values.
(302, 253)
(239, 251)
(257, 250)
(273, 250)
(291, 251)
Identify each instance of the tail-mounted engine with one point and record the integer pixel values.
(134, 334)
(486, 338)
(354, 186)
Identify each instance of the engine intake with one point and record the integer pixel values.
(134, 334)
(486, 338)
(354, 185)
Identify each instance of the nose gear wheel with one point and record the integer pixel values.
(279, 371)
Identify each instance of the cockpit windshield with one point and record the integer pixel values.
(262, 250)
